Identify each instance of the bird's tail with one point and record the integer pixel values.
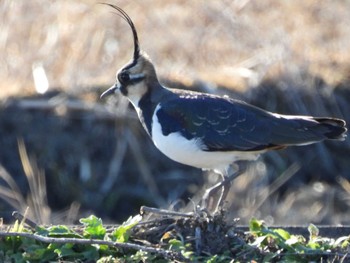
(303, 130)
(334, 129)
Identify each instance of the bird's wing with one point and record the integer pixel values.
(220, 124)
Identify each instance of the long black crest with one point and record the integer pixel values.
(127, 18)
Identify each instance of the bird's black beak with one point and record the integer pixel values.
(111, 90)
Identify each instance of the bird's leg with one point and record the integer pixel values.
(224, 186)
(208, 200)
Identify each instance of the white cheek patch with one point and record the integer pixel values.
(135, 93)
(136, 76)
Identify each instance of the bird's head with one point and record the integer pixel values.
(136, 77)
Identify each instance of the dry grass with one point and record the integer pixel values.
(234, 43)
(34, 204)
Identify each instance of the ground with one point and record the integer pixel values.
(82, 155)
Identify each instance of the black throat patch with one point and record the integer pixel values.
(147, 109)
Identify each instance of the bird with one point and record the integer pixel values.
(208, 131)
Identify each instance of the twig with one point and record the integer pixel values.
(198, 240)
(115, 164)
(82, 241)
(285, 176)
(144, 168)
(17, 215)
(146, 209)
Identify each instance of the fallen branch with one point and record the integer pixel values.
(172, 255)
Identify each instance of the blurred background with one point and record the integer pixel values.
(64, 153)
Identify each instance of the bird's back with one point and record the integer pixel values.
(224, 124)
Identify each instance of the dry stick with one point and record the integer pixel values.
(17, 215)
(60, 240)
(146, 209)
(144, 168)
(286, 175)
(198, 242)
(115, 165)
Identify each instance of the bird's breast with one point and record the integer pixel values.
(192, 151)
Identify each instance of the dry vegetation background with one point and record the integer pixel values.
(93, 157)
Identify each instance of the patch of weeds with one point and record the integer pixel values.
(280, 245)
(193, 239)
(90, 242)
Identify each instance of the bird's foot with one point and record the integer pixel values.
(211, 201)
(214, 202)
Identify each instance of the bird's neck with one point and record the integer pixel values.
(147, 104)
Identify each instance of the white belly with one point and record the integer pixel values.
(189, 152)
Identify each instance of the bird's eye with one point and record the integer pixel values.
(123, 77)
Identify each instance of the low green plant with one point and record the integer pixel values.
(280, 244)
(94, 242)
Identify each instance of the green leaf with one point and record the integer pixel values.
(18, 258)
(175, 244)
(313, 231)
(343, 242)
(293, 240)
(93, 227)
(269, 257)
(90, 253)
(213, 259)
(34, 252)
(66, 251)
(256, 225)
(42, 231)
(106, 259)
(71, 251)
(314, 245)
(259, 241)
(282, 233)
(60, 231)
(122, 233)
(141, 256)
(17, 227)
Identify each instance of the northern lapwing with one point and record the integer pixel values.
(208, 131)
